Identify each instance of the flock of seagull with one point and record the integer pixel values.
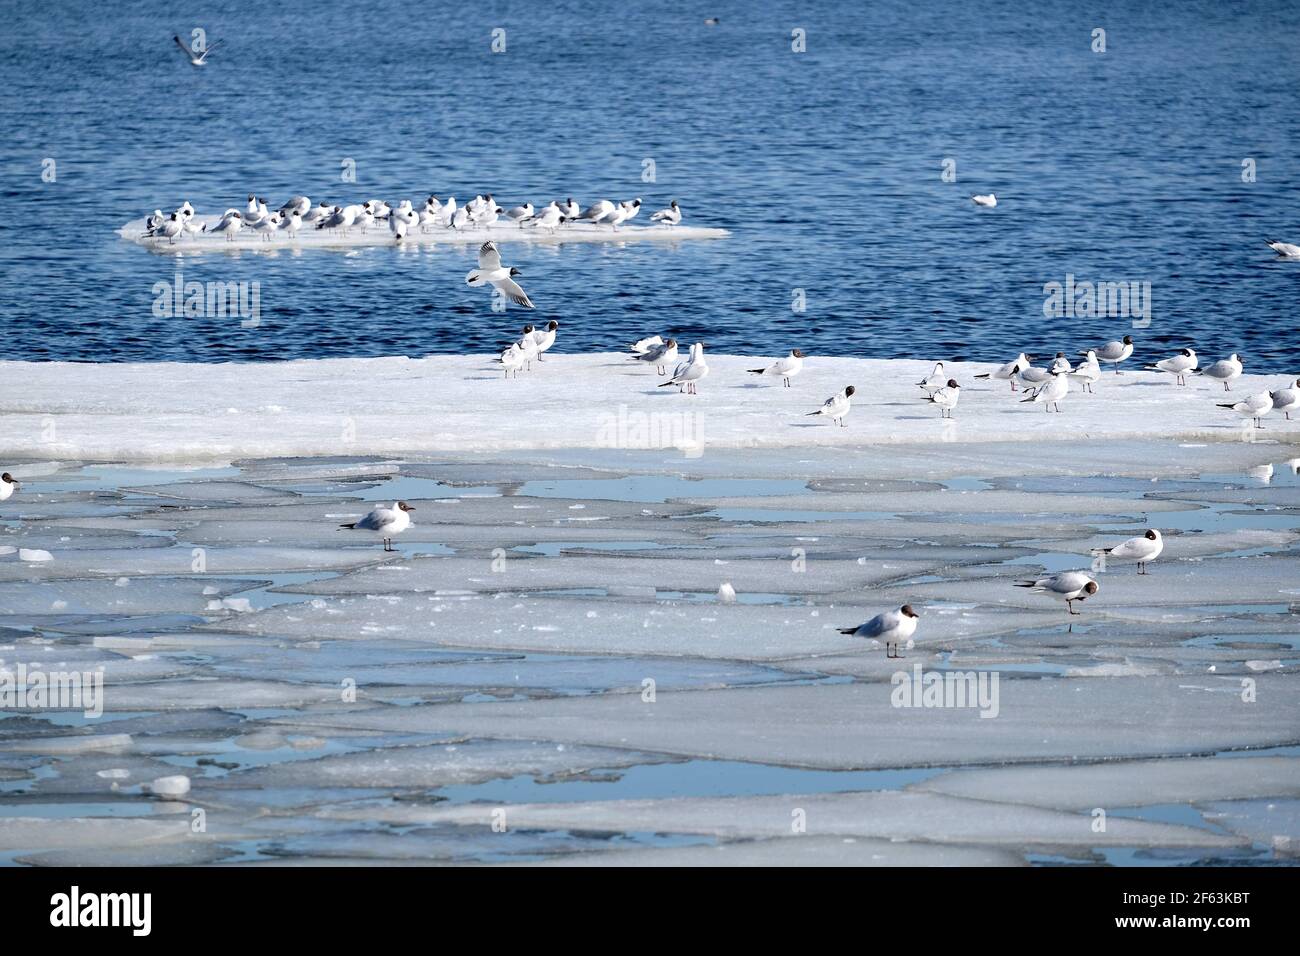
(401, 220)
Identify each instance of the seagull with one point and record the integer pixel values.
(298, 204)
(1068, 586)
(946, 398)
(512, 359)
(1051, 392)
(527, 346)
(520, 214)
(185, 211)
(1287, 399)
(596, 211)
(935, 380)
(377, 208)
(1225, 370)
(365, 217)
(1284, 249)
(7, 486)
(1253, 408)
(1009, 371)
(1087, 373)
(543, 339)
(990, 200)
(230, 224)
(196, 59)
(837, 406)
(1062, 364)
(169, 229)
(670, 216)
(447, 213)
(1033, 377)
(892, 628)
(641, 346)
(1177, 365)
(385, 521)
(153, 221)
(490, 271)
(550, 218)
(787, 368)
(1112, 353)
(570, 209)
(342, 218)
(660, 356)
(291, 223)
(691, 371)
(316, 213)
(460, 218)
(630, 210)
(1142, 549)
(268, 226)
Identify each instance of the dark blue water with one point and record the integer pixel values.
(1122, 166)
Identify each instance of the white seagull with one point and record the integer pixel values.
(298, 204)
(1051, 392)
(1284, 249)
(1113, 353)
(520, 214)
(543, 339)
(230, 224)
(990, 200)
(1287, 399)
(641, 346)
(1068, 586)
(670, 216)
(1253, 408)
(1225, 370)
(690, 372)
(1178, 365)
(490, 271)
(385, 522)
(549, 219)
(7, 486)
(1144, 548)
(1010, 371)
(935, 380)
(660, 356)
(1087, 372)
(512, 359)
(946, 398)
(787, 368)
(837, 406)
(196, 59)
(891, 628)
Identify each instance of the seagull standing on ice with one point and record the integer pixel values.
(570, 210)
(291, 223)
(267, 226)
(298, 204)
(670, 216)
(1051, 392)
(1061, 364)
(787, 368)
(1177, 365)
(385, 522)
(1144, 548)
(171, 228)
(1284, 249)
(1253, 408)
(891, 628)
(153, 222)
(596, 211)
(1087, 373)
(641, 346)
(230, 224)
(543, 339)
(512, 359)
(316, 213)
(660, 356)
(946, 398)
(550, 218)
(990, 200)
(520, 214)
(490, 271)
(1068, 586)
(935, 380)
(837, 407)
(1113, 353)
(7, 486)
(196, 59)
(1225, 370)
(447, 213)
(1010, 371)
(1287, 399)
(690, 372)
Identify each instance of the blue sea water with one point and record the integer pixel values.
(826, 165)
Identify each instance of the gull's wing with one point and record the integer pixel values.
(489, 258)
(378, 519)
(513, 292)
(184, 49)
